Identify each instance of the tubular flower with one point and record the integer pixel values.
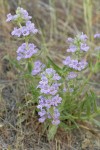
(38, 67)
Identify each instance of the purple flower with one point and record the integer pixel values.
(72, 48)
(56, 77)
(71, 75)
(73, 63)
(84, 47)
(50, 72)
(9, 17)
(97, 35)
(56, 122)
(42, 119)
(56, 100)
(26, 51)
(44, 81)
(70, 40)
(12, 17)
(16, 32)
(67, 61)
(25, 31)
(45, 89)
(31, 27)
(53, 90)
(83, 37)
(42, 113)
(38, 67)
(42, 102)
(81, 65)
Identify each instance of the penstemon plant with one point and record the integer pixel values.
(63, 94)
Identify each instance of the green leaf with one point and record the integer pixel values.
(93, 99)
(88, 104)
(68, 116)
(52, 131)
(67, 127)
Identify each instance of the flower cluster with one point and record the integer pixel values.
(78, 44)
(20, 14)
(29, 29)
(26, 51)
(48, 109)
(49, 100)
(25, 29)
(38, 67)
(75, 64)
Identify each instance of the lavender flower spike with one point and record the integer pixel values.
(49, 98)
